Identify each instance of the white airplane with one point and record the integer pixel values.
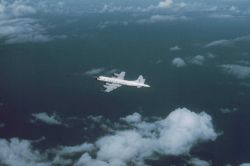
(118, 80)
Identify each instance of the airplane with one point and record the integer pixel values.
(118, 80)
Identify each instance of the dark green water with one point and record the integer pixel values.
(49, 77)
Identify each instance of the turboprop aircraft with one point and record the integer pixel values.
(118, 80)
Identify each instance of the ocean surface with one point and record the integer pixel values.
(58, 76)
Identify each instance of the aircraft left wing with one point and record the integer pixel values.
(111, 86)
(121, 75)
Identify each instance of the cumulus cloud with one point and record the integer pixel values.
(227, 42)
(239, 71)
(63, 153)
(198, 162)
(87, 160)
(198, 60)
(140, 140)
(85, 147)
(124, 146)
(174, 135)
(178, 62)
(245, 164)
(175, 48)
(20, 152)
(165, 3)
(134, 118)
(183, 128)
(45, 118)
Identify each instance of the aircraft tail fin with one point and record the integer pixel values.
(140, 79)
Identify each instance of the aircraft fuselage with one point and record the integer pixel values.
(121, 81)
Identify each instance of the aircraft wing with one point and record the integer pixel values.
(111, 86)
(121, 75)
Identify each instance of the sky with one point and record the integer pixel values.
(195, 54)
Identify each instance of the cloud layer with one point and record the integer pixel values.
(239, 71)
(139, 140)
(174, 135)
(45, 118)
(20, 152)
(17, 25)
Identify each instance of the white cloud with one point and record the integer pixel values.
(234, 9)
(85, 147)
(239, 71)
(110, 8)
(111, 71)
(175, 48)
(22, 30)
(125, 146)
(134, 118)
(18, 8)
(86, 160)
(182, 129)
(94, 71)
(17, 27)
(45, 118)
(221, 16)
(165, 3)
(174, 135)
(198, 162)
(19, 152)
(227, 110)
(230, 42)
(178, 62)
(245, 164)
(221, 42)
(140, 140)
(198, 60)
(63, 153)
(105, 24)
(210, 55)
(96, 119)
(163, 18)
(15, 9)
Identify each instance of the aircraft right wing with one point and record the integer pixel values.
(111, 86)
